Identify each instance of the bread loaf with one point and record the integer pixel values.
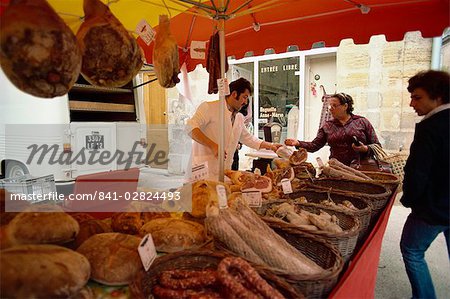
(42, 271)
(131, 222)
(114, 257)
(172, 234)
(202, 193)
(89, 228)
(81, 217)
(39, 53)
(42, 224)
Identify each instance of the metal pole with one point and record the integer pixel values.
(436, 53)
(221, 29)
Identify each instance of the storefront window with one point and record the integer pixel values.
(278, 94)
(244, 70)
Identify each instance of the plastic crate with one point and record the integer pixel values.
(27, 184)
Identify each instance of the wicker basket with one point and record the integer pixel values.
(198, 260)
(392, 181)
(318, 250)
(377, 194)
(344, 241)
(314, 197)
(322, 253)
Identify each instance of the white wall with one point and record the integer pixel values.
(17, 107)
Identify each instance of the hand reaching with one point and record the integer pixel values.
(291, 142)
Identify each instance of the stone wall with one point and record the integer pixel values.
(376, 76)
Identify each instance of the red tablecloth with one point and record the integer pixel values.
(360, 278)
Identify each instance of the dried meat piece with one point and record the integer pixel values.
(111, 55)
(298, 157)
(39, 53)
(165, 55)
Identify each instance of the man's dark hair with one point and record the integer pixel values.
(435, 83)
(240, 85)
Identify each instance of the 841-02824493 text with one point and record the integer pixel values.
(138, 195)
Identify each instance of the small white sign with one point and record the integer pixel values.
(200, 171)
(253, 198)
(147, 251)
(319, 161)
(198, 49)
(145, 31)
(286, 185)
(222, 195)
(224, 88)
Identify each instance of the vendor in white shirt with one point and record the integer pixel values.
(205, 129)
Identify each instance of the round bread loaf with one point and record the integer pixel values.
(131, 222)
(42, 224)
(88, 228)
(39, 52)
(111, 56)
(114, 257)
(172, 234)
(81, 217)
(42, 271)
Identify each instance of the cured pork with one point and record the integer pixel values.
(111, 56)
(165, 55)
(39, 53)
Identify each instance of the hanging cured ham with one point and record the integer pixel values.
(111, 56)
(165, 55)
(39, 54)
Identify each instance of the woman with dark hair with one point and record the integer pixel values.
(339, 132)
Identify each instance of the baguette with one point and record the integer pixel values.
(332, 172)
(334, 163)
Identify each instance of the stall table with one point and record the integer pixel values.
(359, 279)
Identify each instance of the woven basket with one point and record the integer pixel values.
(392, 181)
(377, 194)
(314, 197)
(143, 283)
(344, 241)
(318, 250)
(397, 161)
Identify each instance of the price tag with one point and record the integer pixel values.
(319, 161)
(286, 185)
(147, 251)
(253, 198)
(200, 171)
(222, 194)
(145, 31)
(198, 49)
(224, 88)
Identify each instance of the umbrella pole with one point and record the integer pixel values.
(221, 30)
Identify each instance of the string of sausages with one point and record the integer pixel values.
(234, 278)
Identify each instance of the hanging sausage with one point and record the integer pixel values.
(38, 53)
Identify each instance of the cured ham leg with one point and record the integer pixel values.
(39, 52)
(165, 55)
(111, 56)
